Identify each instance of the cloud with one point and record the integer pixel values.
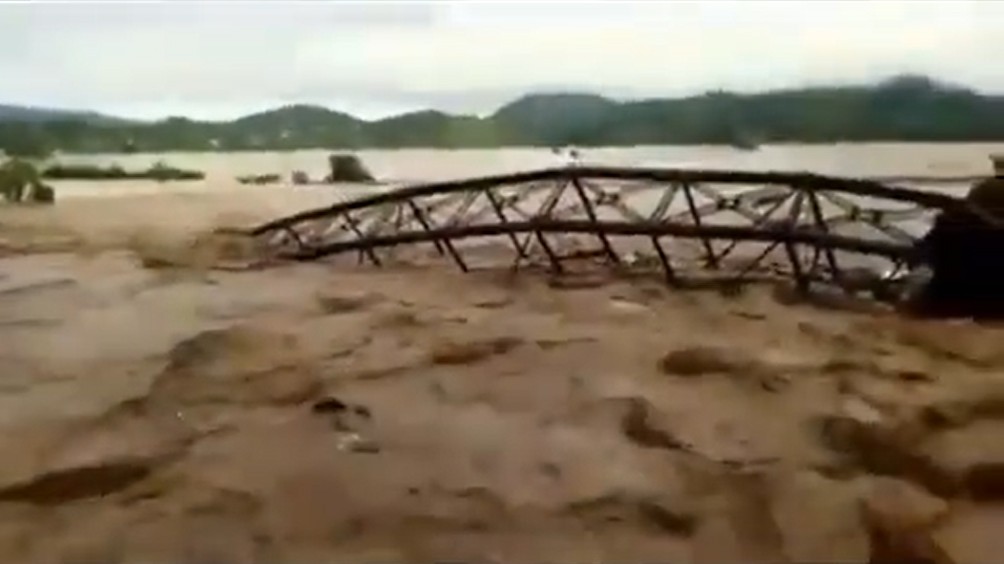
(219, 59)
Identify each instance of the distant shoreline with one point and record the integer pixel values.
(897, 161)
(543, 149)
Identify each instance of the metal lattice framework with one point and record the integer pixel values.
(685, 223)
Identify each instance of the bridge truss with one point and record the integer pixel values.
(684, 224)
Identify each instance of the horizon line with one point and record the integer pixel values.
(549, 91)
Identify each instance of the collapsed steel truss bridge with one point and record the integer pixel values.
(685, 224)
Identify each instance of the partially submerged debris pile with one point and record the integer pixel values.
(341, 168)
(160, 172)
(259, 179)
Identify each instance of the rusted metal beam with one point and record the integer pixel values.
(445, 242)
(591, 214)
(709, 251)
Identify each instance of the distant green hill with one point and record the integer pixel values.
(905, 108)
(34, 114)
(557, 119)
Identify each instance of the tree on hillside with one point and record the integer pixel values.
(22, 140)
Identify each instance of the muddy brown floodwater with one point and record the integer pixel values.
(308, 413)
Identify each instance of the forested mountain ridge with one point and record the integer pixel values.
(905, 108)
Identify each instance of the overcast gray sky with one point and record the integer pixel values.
(221, 59)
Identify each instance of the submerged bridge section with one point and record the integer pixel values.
(684, 224)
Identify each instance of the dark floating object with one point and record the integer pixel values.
(259, 179)
(347, 168)
(342, 168)
(332, 405)
(329, 405)
(815, 230)
(345, 418)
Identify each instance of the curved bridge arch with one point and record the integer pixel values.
(813, 228)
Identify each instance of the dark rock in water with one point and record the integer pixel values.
(347, 168)
(963, 251)
(333, 405)
(345, 418)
